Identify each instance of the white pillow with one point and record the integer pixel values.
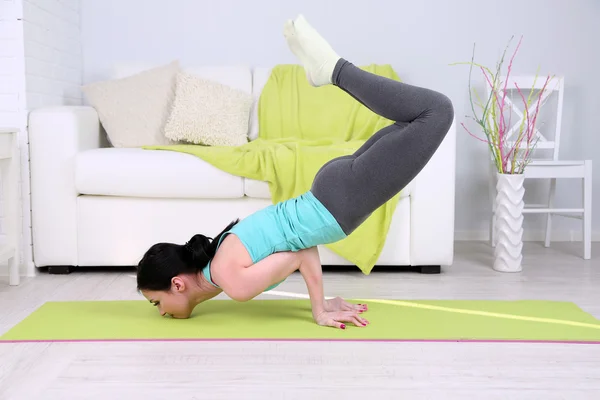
(134, 109)
(209, 113)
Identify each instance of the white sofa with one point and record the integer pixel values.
(94, 205)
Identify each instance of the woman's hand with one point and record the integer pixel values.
(338, 304)
(337, 319)
(334, 312)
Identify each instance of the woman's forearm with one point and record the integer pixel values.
(324, 311)
(311, 270)
(245, 283)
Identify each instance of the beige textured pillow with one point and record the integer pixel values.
(209, 113)
(134, 109)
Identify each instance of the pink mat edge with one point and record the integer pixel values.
(305, 340)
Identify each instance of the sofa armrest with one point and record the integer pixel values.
(56, 135)
(432, 207)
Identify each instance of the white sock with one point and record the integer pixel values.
(315, 54)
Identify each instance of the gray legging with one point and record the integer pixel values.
(352, 187)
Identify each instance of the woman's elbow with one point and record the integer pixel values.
(238, 292)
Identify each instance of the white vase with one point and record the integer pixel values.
(509, 222)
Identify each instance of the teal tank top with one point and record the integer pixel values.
(291, 225)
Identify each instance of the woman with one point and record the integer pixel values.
(257, 253)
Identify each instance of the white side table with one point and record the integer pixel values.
(10, 170)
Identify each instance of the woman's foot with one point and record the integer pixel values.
(315, 54)
(338, 304)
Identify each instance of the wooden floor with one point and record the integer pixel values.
(319, 370)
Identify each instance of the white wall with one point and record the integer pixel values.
(12, 86)
(13, 112)
(40, 65)
(419, 38)
(53, 57)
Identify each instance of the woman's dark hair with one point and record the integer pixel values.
(163, 261)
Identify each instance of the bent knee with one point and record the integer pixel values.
(444, 110)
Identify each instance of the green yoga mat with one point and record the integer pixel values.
(454, 320)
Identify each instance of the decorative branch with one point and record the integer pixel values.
(510, 157)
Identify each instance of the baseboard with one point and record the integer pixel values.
(528, 236)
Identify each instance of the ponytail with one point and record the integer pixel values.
(201, 248)
(163, 261)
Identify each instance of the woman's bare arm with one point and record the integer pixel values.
(244, 283)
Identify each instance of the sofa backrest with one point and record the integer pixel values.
(260, 76)
(238, 77)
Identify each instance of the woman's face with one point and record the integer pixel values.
(174, 302)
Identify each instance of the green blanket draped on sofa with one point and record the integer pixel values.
(301, 128)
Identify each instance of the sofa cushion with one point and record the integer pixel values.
(260, 77)
(134, 109)
(207, 112)
(152, 173)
